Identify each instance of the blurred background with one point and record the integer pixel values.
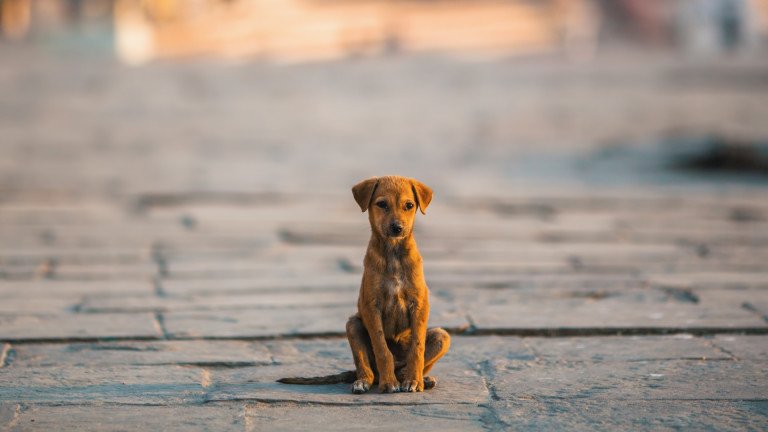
(115, 97)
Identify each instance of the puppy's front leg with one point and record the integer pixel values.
(414, 362)
(384, 362)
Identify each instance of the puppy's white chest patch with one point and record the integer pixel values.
(394, 286)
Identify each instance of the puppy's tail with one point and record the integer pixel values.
(344, 377)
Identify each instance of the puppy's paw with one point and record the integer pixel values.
(429, 382)
(360, 386)
(389, 387)
(412, 386)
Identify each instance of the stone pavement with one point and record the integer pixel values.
(141, 289)
(606, 316)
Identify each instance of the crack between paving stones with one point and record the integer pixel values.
(15, 419)
(5, 356)
(159, 259)
(734, 357)
(78, 308)
(491, 420)
(157, 284)
(750, 307)
(160, 326)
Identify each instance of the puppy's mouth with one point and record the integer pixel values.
(395, 231)
(395, 236)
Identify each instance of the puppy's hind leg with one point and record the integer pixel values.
(360, 343)
(437, 344)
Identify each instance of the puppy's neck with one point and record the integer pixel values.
(394, 252)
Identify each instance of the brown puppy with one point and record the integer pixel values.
(388, 335)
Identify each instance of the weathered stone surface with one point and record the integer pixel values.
(471, 351)
(292, 417)
(712, 279)
(600, 309)
(627, 348)
(751, 348)
(7, 413)
(79, 326)
(257, 266)
(260, 300)
(251, 239)
(258, 322)
(612, 415)
(535, 281)
(63, 255)
(455, 386)
(37, 306)
(72, 289)
(640, 380)
(317, 352)
(201, 353)
(181, 287)
(447, 314)
(116, 417)
(135, 385)
(144, 271)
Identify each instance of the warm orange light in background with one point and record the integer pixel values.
(14, 17)
(324, 29)
(288, 30)
(311, 29)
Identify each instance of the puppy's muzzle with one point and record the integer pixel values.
(395, 229)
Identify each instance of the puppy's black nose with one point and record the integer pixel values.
(396, 228)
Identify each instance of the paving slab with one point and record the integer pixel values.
(258, 322)
(107, 271)
(707, 279)
(79, 326)
(7, 413)
(621, 309)
(79, 255)
(38, 306)
(447, 314)
(120, 417)
(626, 348)
(641, 380)
(612, 415)
(70, 289)
(753, 348)
(194, 353)
(571, 280)
(455, 386)
(263, 266)
(292, 417)
(123, 384)
(264, 300)
(255, 283)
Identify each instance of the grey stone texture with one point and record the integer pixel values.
(176, 237)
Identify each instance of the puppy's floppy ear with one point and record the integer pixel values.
(422, 193)
(363, 192)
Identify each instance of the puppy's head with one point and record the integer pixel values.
(391, 203)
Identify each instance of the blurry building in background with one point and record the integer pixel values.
(142, 30)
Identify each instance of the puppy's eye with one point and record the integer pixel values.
(408, 206)
(381, 204)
